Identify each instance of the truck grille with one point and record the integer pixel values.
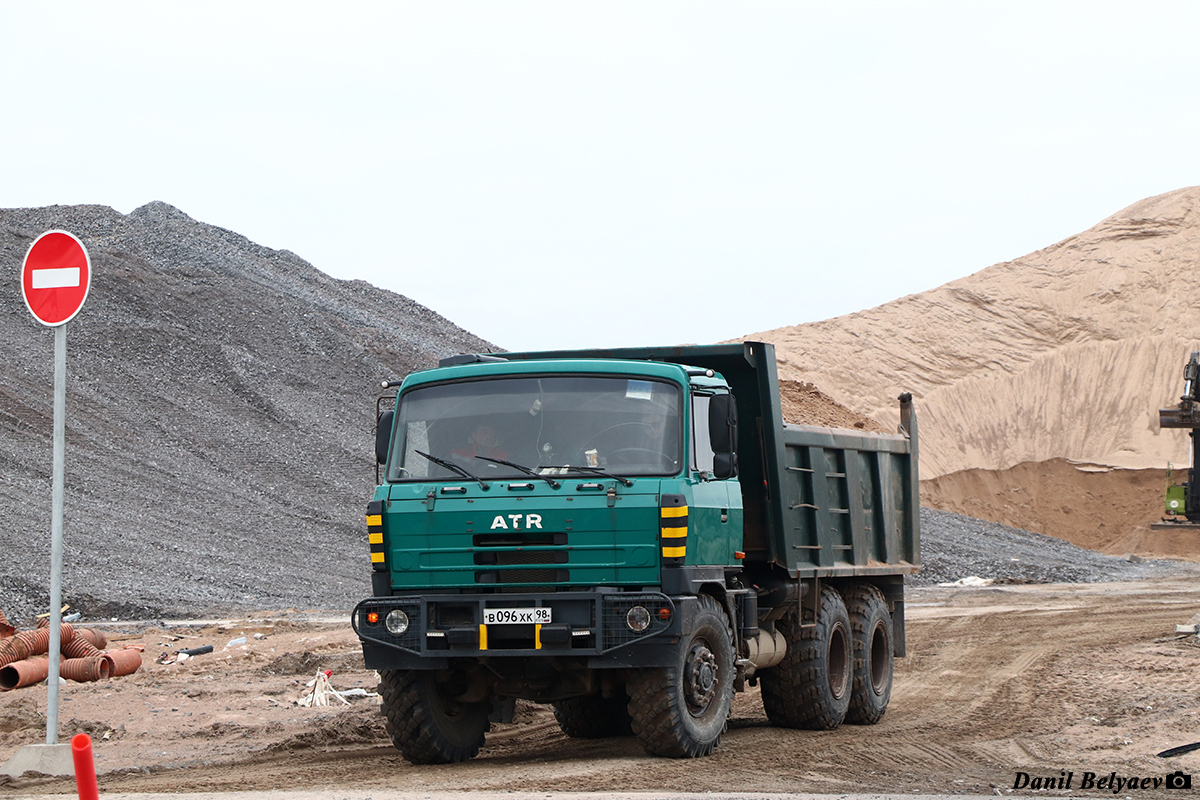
(523, 576)
(519, 539)
(512, 558)
(531, 571)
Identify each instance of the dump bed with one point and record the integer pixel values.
(817, 501)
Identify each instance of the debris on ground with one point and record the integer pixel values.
(24, 659)
(970, 580)
(321, 690)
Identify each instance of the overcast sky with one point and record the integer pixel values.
(557, 174)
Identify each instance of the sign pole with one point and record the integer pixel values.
(56, 530)
(55, 278)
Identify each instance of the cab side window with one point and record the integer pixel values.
(702, 452)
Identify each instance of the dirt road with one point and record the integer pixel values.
(999, 680)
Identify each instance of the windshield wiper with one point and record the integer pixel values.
(602, 473)
(453, 468)
(553, 483)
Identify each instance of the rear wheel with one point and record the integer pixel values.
(427, 724)
(874, 659)
(681, 711)
(594, 716)
(811, 687)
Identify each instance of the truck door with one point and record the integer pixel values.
(716, 511)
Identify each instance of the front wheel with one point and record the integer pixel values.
(427, 724)
(681, 711)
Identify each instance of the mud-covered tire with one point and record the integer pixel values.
(426, 724)
(811, 687)
(874, 659)
(681, 711)
(594, 716)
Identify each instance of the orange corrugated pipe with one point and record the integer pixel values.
(80, 647)
(31, 643)
(28, 643)
(7, 653)
(24, 673)
(85, 669)
(123, 662)
(6, 629)
(98, 639)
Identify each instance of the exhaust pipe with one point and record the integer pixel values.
(767, 649)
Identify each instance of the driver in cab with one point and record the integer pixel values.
(482, 441)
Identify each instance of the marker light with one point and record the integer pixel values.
(373, 617)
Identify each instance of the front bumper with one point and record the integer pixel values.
(587, 624)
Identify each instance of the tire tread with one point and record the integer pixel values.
(865, 603)
(795, 691)
(658, 709)
(408, 719)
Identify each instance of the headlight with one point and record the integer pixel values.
(638, 619)
(396, 622)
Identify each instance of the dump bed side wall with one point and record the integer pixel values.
(848, 503)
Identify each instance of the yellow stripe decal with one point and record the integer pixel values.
(483, 637)
(674, 533)
(374, 519)
(537, 636)
(376, 558)
(375, 538)
(674, 552)
(680, 511)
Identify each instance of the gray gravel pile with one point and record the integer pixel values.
(220, 418)
(955, 547)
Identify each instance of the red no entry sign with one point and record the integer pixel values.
(55, 277)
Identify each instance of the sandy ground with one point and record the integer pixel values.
(1037, 679)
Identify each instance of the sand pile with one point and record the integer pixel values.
(1065, 353)
(1096, 507)
(805, 404)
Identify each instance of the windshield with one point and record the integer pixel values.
(621, 425)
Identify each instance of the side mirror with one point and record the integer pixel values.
(722, 423)
(725, 466)
(722, 434)
(383, 435)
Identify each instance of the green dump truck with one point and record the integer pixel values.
(631, 536)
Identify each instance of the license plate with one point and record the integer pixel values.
(516, 616)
